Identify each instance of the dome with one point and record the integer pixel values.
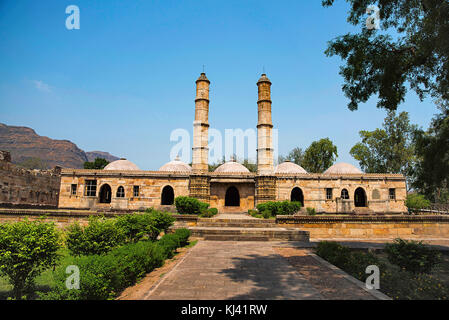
(343, 168)
(289, 167)
(232, 167)
(121, 165)
(175, 166)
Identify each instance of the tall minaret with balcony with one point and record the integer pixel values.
(265, 161)
(201, 126)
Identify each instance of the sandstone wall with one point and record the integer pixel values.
(23, 188)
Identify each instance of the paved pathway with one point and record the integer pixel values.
(221, 270)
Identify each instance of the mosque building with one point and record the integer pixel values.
(342, 188)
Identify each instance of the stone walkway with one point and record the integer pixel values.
(228, 270)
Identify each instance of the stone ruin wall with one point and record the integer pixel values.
(24, 188)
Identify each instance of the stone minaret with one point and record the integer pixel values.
(201, 126)
(265, 165)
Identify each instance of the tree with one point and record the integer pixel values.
(319, 156)
(431, 174)
(295, 156)
(26, 249)
(98, 164)
(380, 64)
(387, 150)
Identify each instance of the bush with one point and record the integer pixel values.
(209, 213)
(162, 220)
(98, 237)
(311, 211)
(354, 263)
(105, 276)
(136, 226)
(279, 207)
(26, 249)
(416, 201)
(188, 205)
(412, 256)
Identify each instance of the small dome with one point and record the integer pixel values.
(343, 168)
(232, 167)
(121, 165)
(289, 167)
(176, 166)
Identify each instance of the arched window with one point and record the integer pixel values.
(232, 198)
(360, 197)
(120, 192)
(297, 195)
(345, 194)
(168, 196)
(105, 194)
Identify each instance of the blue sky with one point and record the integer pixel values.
(126, 78)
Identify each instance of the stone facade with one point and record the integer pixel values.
(233, 191)
(24, 188)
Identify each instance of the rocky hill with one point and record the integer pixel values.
(24, 144)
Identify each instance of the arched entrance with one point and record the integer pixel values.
(297, 195)
(232, 198)
(360, 197)
(168, 196)
(105, 194)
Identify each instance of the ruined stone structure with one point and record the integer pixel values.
(20, 187)
(231, 187)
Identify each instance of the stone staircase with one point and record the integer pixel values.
(242, 227)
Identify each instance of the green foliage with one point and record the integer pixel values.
(274, 208)
(387, 150)
(412, 256)
(98, 163)
(26, 249)
(319, 156)
(311, 211)
(136, 226)
(162, 220)
(431, 174)
(209, 213)
(295, 156)
(98, 237)
(105, 276)
(354, 263)
(188, 205)
(377, 64)
(416, 201)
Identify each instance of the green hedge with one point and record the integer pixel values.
(274, 208)
(209, 213)
(105, 276)
(188, 205)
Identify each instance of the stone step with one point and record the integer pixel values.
(236, 238)
(271, 234)
(235, 224)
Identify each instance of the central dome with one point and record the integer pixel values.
(289, 167)
(232, 167)
(122, 165)
(176, 166)
(343, 168)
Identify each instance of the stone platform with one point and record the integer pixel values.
(243, 227)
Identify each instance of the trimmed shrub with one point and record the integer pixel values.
(311, 211)
(412, 256)
(209, 213)
(136, 226)
(162, 220)
(26, 249)
(98, 237)
(416, 201)
(188, 205)
(279, 207)
(104, 276)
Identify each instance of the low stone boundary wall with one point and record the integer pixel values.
(63, 218)
(369, 227)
